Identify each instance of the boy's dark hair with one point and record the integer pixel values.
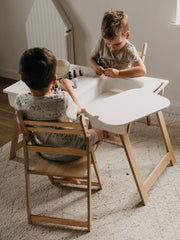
(37, 67)
(113, 22)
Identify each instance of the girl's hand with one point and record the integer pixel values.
(99, 70)
(111, 72)
(66, 84)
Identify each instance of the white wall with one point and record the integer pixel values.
(149, 21)
(13, 42)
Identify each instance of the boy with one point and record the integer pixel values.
(114, 56)
(37, 70)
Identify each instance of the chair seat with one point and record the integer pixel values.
(75, 168)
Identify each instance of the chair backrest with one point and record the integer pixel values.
(30, 127)
(142, 54)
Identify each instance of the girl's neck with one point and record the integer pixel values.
(40, 93)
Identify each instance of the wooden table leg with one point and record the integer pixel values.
(143, 187)
(15, 145)
(166, 136)
(134, 168)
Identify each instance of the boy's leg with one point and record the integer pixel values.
(99, 134)
(96, 136)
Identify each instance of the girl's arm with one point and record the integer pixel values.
(137, 70)
(67, 86)
(94, 65)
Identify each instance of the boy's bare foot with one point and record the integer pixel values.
(72, 180)
(105, 134)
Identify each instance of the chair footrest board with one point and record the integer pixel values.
(63, 221)
(82, 182)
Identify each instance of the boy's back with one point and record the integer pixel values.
(37, 70)
(49, 107)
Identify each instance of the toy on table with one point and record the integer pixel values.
(63, 67)
(70, 75)
(56, 88)
(74, 73)
(75, 79)
(80, 72)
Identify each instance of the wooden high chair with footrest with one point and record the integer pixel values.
(58, 171)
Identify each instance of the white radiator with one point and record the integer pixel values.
(48, 26)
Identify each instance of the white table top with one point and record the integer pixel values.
(114, 111)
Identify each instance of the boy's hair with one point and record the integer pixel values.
(113, 22)
(37, 67)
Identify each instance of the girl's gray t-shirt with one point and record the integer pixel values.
(122, 59)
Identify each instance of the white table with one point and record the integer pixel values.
(110, 108)
(115, 113)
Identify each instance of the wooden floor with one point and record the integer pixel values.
(6, 113)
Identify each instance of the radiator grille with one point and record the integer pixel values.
(45, 28)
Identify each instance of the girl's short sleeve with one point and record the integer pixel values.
(96, 51)
(132, 54)
(71, 107)
(17, 103)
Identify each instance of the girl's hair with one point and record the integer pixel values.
(37, 67)
(113, 22)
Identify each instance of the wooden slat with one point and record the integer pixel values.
(14, 141)
(165, 134)
(134, 168)
(82, 182)
(27, 180)
(57, 150)
(74, 169)
(157, 171)
(53, 124)
(56, 130)
(84, 127)
(19, 145)
(94, 162)
(63, 221)
(114, 139)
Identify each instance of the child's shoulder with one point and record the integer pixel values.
(131, 52)
(130, 47)
(23, 96)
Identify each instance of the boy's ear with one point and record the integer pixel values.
(127, 34)
(53, 81)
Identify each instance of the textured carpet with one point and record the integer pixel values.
(117, 212)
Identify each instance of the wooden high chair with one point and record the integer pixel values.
(142, 54)
(57, 171)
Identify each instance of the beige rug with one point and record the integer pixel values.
(116, 210)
